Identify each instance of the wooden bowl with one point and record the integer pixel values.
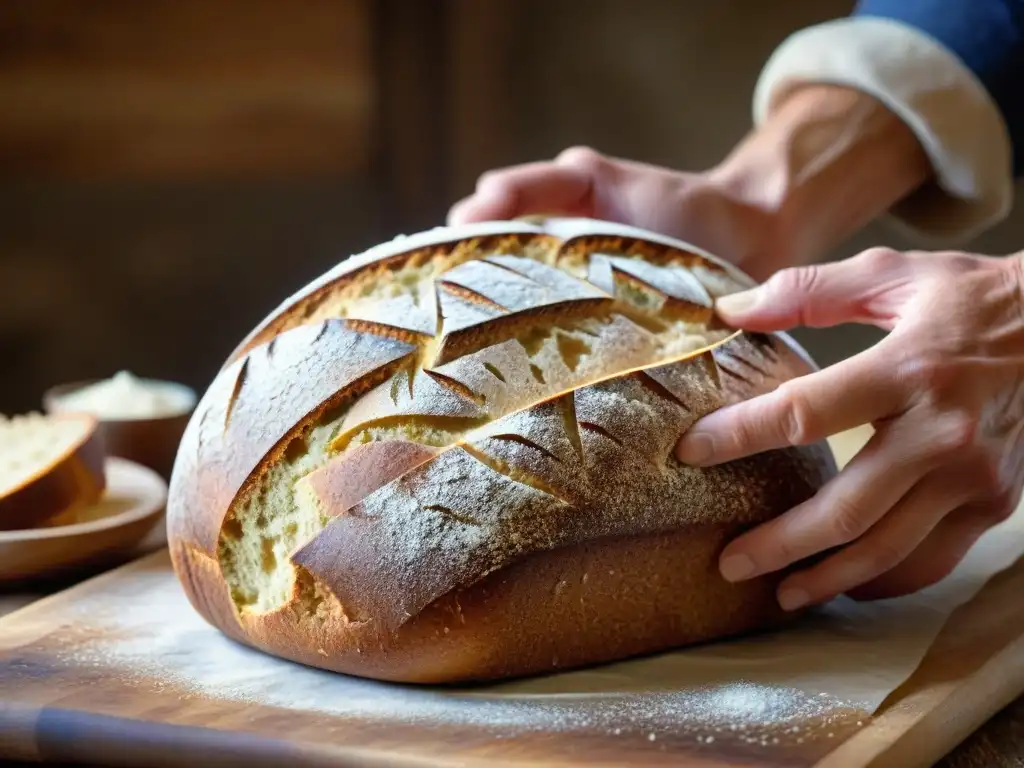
(152, 442)
(131, 508)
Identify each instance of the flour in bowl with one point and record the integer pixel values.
(125, 396)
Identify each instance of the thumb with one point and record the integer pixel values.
(856, 290)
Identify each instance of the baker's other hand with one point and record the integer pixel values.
(944, 391)
(712, 210)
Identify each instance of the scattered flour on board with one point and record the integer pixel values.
(157, 639)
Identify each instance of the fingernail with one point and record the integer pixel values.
(695, 449)
(791, 599)
(737, 303)
(737, 567)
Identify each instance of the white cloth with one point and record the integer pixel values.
(958, 124)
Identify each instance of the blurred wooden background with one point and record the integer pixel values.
(166, 89)
(171, 169)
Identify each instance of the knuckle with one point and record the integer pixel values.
(744, 437)
(797, 422)
(785, 542)
(885, 556)
(847, 521)
(957, 433)
(787, 552)
(582, 157)
(928, 374)
(992, 484)
(798, 286)
(798, 280)
(881, 259)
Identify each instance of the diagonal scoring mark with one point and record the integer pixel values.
(739, 358)
(589, 426)
(513, 437)
(200, 444)
(323, 329)
(451, 514)
(734, 374)
(516, 474)
(655, 386)
(473, 297)
(567, 406)
(711, 367)
(243, 373)
(456, 386)
(396, 386)
(700, 299)
(493, 370)
(396, 332)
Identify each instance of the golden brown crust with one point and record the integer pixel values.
(501, 409)
(252, 410)
(576, 606)
(347, 479)
(442, 244)
(76, 478)
(200, 575)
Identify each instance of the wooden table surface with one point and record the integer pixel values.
(998, 744)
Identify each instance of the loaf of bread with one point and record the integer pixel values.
(48, 464)
(451, 459)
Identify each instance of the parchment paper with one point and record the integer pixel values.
(850, 652)
(795, 692)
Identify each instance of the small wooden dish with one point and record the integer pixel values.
(152, 442)
(130, 509)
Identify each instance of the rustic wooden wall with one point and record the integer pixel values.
(184, 88)
(167, 169)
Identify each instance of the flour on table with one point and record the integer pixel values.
(815, 681)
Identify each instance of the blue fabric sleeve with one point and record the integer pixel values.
(987, 35)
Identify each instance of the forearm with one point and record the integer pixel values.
(845, 111)
(826, 161)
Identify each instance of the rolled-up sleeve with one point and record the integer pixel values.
(953, 70)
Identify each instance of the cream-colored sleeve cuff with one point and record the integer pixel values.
(940, 99)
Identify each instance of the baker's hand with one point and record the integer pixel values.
(944, 391)
(705, 209)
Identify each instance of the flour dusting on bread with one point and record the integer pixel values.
(539, 378)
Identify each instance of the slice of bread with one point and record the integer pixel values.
(48, 464)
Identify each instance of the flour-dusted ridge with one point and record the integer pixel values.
(449, 406)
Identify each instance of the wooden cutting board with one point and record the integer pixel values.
(88, 675)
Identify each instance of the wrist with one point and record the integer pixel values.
(826, 161)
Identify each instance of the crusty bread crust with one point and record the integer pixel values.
(76, 477)
(451, 459)
(591, 603)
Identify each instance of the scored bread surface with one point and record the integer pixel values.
(453, 424)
